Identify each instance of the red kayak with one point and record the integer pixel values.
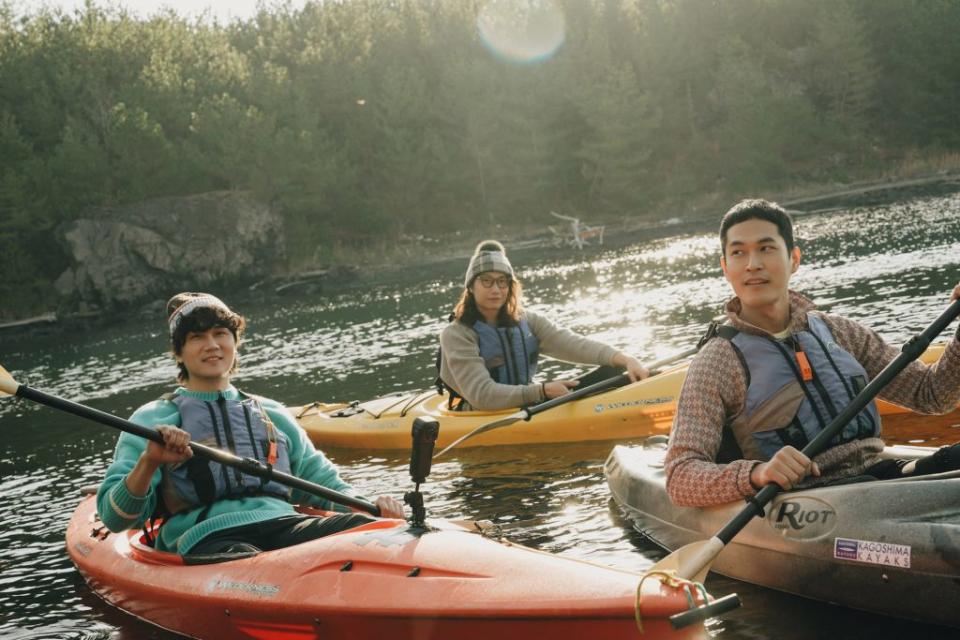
(382, 580)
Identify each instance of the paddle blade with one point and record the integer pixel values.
(691, 562)
(8, 386)
(503, 422)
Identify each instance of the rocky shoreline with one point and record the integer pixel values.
(128, 257)
(802, 202)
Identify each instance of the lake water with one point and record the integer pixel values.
(890, 265)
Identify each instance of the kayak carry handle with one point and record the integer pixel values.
(698, 614)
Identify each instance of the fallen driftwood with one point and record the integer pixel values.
(308, 282)
(44, 318)
(290, 281)
(579, 234)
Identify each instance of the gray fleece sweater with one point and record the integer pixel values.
(462, 368)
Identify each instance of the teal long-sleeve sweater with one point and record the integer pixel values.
(120, 510)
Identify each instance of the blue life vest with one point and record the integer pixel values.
(784, 406)
(509, 353)
(241, 427)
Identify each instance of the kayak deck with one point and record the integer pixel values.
(383, 579)
(891, 547)
(637, 410)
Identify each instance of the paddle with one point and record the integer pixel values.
(693, 560)
(10, 387)
(528, 412)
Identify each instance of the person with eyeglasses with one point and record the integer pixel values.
(489, 352)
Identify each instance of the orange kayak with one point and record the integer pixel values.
(381, 580)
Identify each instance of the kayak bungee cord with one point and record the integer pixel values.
(412, 402)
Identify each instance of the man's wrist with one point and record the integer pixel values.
(753, 483)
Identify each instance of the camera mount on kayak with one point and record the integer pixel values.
(424, 434)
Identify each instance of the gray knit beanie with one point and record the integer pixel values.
(488, 256)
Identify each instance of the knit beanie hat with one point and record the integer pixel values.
(183, 304)
(488, 256)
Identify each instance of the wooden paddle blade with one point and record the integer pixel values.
(8, 386)
(503, 422)
(691, 561)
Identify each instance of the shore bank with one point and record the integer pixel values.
(385, 256)
(380, 259)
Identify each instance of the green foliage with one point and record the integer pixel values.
(916, 48)
(365, 120)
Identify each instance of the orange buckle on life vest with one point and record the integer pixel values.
(805, 369)
(272, 455)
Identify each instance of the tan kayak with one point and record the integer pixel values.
(888, 547)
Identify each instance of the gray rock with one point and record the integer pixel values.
(128, 254)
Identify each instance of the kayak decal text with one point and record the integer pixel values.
(643, 402)
(802, 517)
(792, 514)
(891, 555)
(219, 584)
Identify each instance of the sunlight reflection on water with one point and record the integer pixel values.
(890, 266)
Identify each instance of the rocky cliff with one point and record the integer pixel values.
(137, 252)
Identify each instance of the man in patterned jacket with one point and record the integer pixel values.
(779, 371)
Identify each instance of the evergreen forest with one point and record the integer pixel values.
(366, 120)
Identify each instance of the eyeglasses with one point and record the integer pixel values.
(487, 282)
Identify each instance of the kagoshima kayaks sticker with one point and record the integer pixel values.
(891, 555)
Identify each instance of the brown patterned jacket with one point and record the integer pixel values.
(715, 391)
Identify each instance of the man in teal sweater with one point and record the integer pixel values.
(209, 508)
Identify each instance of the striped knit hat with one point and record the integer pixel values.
(193, 301)
(488, 256)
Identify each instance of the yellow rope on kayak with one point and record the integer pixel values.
(670, 579)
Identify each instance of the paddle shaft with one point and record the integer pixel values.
(616, 381)
(609, 383)
(912, 350)
(529, 412)
(246, 465)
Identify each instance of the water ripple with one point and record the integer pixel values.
(891, 266)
